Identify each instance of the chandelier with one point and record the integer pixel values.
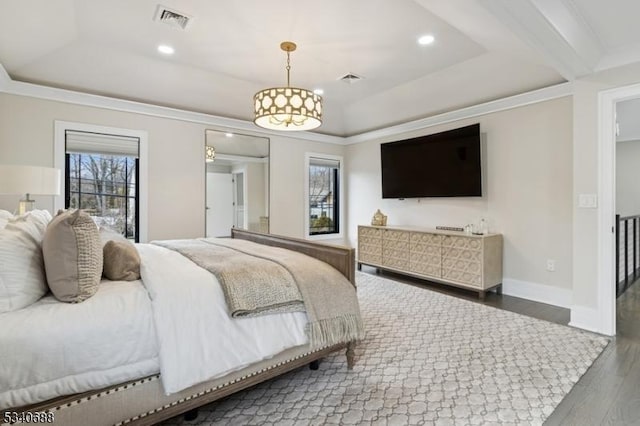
(287, 108)
(209, 153)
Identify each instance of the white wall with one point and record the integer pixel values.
(287, 183)
(255, 194)
(528, 190)
(176, 162)
(628, 178)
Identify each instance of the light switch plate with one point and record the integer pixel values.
(588, 201)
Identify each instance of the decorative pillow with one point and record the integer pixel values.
(121, 261)
(107, 234)
(22, 280)
(72, 256)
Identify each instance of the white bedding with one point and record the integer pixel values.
(52, 348)
(198, 339)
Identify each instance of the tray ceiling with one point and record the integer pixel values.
(484, 50)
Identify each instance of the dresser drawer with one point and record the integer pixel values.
(369, 240)
(396, 263)
(370, 249)
(462, 265)
(375, 259)
(468, 243)
(390, 234)
(432, 270)
(395, 253)
(463, 254)
(430, 259)
(422, 238)
(364, 231)
(462, 277)
(424, 248)
(396, 245)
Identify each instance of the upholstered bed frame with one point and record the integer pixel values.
(143, 402)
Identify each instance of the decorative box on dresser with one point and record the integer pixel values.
(464, 260)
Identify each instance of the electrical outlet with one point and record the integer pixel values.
(551, 265)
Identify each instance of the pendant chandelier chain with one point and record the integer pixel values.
(288, 69)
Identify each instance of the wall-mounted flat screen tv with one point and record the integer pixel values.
(446, 164)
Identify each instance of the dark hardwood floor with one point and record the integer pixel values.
(609, 392)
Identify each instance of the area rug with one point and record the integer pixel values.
(428, 359)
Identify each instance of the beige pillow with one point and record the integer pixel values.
(107, 234)
(121, 261)
(72, 256)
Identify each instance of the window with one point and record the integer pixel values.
(323, 196)
(101, 177)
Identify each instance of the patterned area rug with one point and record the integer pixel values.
(428, 358)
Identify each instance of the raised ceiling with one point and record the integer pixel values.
(484, 50)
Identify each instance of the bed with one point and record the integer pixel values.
(124, 350)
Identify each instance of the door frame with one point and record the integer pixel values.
(607, 101)
(240, 170)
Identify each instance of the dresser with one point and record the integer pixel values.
(470, 261)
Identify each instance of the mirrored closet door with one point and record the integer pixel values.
(237, 185)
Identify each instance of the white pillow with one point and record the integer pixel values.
(22, 277)
(4, 218)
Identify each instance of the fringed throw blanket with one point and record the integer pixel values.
(258, 279)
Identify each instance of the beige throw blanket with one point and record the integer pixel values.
(258, 279)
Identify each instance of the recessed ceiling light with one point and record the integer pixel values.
(318, 91)
(426, 39)
(167, 50)
(229, 135)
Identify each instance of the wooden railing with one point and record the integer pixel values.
(627, 252)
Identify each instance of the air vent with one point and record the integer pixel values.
(350, 78)
(172, 17)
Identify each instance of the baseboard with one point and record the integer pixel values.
(585, 318)
(537, 292)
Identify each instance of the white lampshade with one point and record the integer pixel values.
(31, 180)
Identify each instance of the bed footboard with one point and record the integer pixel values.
(341, 258)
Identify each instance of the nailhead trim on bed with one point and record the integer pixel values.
(107, 392)
(188, 398)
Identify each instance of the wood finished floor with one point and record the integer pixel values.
(609, 392)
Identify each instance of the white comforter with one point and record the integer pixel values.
(198, 340)
(52, 348)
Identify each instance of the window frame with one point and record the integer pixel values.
(126, 197)
(307, 208)
(143, 165)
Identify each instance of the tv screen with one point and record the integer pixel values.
(446, 164)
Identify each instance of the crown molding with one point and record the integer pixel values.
(528, 98)
(9, 86)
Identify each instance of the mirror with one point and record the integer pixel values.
(237, 185)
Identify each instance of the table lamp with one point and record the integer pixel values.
(29, 180)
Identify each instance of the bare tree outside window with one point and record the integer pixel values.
(106, 187)
(323, 199)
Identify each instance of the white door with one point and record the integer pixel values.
(219, 204)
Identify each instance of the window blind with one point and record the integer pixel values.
(326, 162)
(98, 143)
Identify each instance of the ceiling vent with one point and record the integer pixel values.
(350, 78)
(172, 17)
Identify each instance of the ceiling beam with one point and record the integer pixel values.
(556, 29)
